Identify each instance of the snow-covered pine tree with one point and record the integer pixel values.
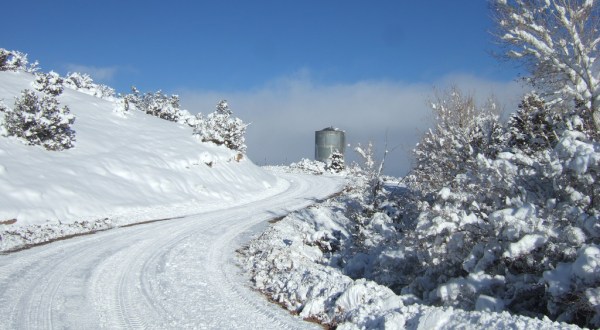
(78, 81)
(131, 100)
(520, 216)
(40, 121)
(83, 82)
(335, 163)
(160, 105)
(221, 128)
(534, 126)
(462, 130)
(12, 60)
(3, 59)
(50, 83)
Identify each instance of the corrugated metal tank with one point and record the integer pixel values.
(328, 141)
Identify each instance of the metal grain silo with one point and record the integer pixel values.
(328, 141)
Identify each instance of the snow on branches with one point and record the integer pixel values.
(463, 129)
(558, 41)
(40, 121)
(12, 60)
(221, 128)
(510, 217)
(83, 82)
(50, 83)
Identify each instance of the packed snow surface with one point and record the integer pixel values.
(174, 274)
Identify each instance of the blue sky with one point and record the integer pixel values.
(268, 58)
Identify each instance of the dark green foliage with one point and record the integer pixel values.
(335, 162)
(49, 83)
(533, 127)
(40, 121)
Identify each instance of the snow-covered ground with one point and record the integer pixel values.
(124, 168)
(176, 274)
(180, 272)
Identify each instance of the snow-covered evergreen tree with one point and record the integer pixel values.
(221, 128)
(78, 81)
(158, 104)
(12, 60)
(131, 100)
(40, 121)
(50, 83)
(3, 59)
(335, 163)
(462, 131)
(513, 223)
(83, 82)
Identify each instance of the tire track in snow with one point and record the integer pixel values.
(172, 274)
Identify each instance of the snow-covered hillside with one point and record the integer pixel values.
(122, 168)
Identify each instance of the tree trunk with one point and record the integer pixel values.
(596, 119)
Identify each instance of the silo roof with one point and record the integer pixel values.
(331, 128)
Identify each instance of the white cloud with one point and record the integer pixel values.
(99, 74)
(286, 112)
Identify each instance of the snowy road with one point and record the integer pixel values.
(178, 273)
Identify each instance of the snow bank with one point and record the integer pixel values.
(294, 264)
(123, 168)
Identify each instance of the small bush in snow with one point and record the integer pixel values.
(84, 83)
(40, 121)
(335, 163)
(160, 105)
(221, 128)
(309, 166)
(156, 104)
(463, 130)
(78, 81)
(12, 60)
(49, 83)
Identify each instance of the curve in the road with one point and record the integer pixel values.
(171, 274)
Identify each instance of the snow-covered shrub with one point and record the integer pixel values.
(160, 105)
(574, 287)
(306, 165)
(129, 101)
(78, 81)
(335, 163)
(463, 130)
(221, 128)
(12, 60)
(83, 82)
(40, 121)
(50, 83)
(516, 207)
(104, 92)
(533, 127)
(156, 104)
(3, 110)
(367, 156)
